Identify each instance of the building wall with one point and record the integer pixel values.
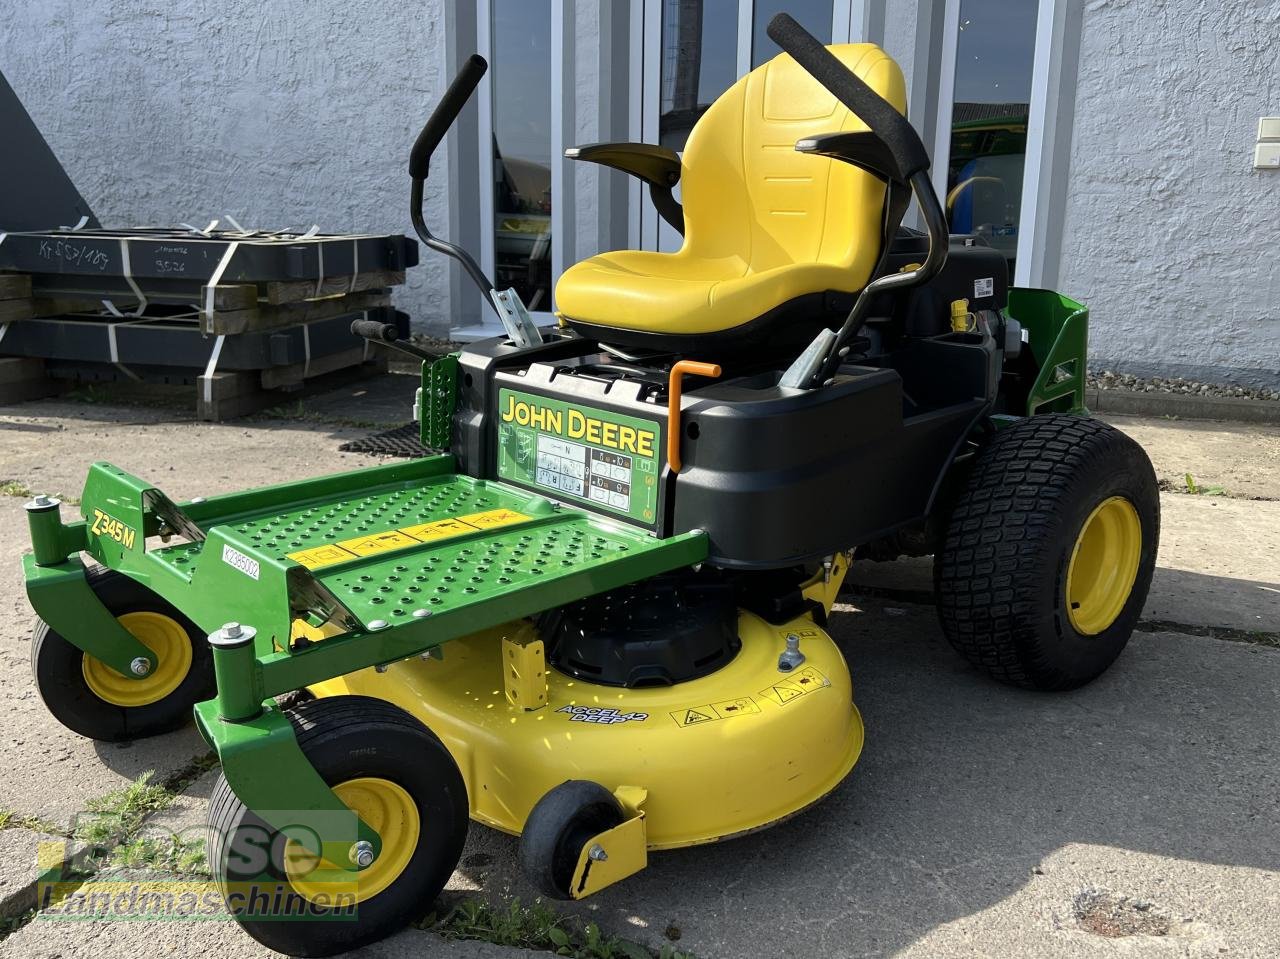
(302, 111)
(1170, 236)
(281, 115)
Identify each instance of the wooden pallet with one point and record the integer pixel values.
(225, 396)
(23, 378)
(221, 396)
(239, 308)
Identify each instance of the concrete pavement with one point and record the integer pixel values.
(1137, 817)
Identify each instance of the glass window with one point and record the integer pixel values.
(995, 48)
(521, 65)
(699, 62)
(814, 15)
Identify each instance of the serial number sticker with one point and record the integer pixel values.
(799, 683)
(712, 712)
(378, 543)
(238, 560)
(109, 526)
(322, 556)
(985, 286)
(494, 517)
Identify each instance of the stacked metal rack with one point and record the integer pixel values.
(238, 313)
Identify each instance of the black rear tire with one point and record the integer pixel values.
(1001, 575)
(58, 669)
(346, 738)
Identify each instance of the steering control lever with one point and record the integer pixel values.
(507, 304)
(388, 335)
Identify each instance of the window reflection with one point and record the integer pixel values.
(699, 62)
(521, 65)
(814, 15)
(994, 52)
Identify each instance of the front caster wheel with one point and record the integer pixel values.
(1049, 552)
(561, 823)
(92, 699)
(399, 778)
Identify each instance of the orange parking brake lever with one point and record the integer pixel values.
(694, 368)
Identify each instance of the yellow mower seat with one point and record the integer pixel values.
(764, 225)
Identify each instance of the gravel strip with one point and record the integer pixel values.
(1109, 380)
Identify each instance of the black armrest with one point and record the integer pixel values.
(864, 150)
(655, 165)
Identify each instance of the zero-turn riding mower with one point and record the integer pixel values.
(596, 618)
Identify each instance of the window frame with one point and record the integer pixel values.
(563, 120)
(1049, 122)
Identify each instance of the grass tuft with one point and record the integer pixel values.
(119, 814)
(537, 927)
(12, 487)
(165, 853)
(11, 924)
(1197, 490)
(16, 820)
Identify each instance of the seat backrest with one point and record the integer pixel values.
(750, 197)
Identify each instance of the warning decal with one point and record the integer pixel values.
(440, 529)
(712, 712)
(394, 539)
(322, 556)
(798, 684)
(378, 543)
(494, 517)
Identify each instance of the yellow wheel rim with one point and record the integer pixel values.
(391, 811)
(1104, 565)
(165, 637)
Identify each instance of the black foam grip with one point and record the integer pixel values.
(446, 111)
(373, 330)
(874, 110)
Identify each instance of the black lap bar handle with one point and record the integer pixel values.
(446, 111)
(373, 330)
(872, 109)
(388, 335)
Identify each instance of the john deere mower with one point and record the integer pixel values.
(596, 617)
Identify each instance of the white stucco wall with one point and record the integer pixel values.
(1170, 236)
(302, 111)
(282, 114)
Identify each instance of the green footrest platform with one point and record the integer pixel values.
(401, 557)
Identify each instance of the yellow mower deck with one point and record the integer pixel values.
(718, 756)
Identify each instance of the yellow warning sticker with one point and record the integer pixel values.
(726, 709)
(804, 632)
(394, 539)
(735, 707)
(322, 556)
(494, 517)
(378, 542)
(798, 684)
(440, 529)
(694, 717)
